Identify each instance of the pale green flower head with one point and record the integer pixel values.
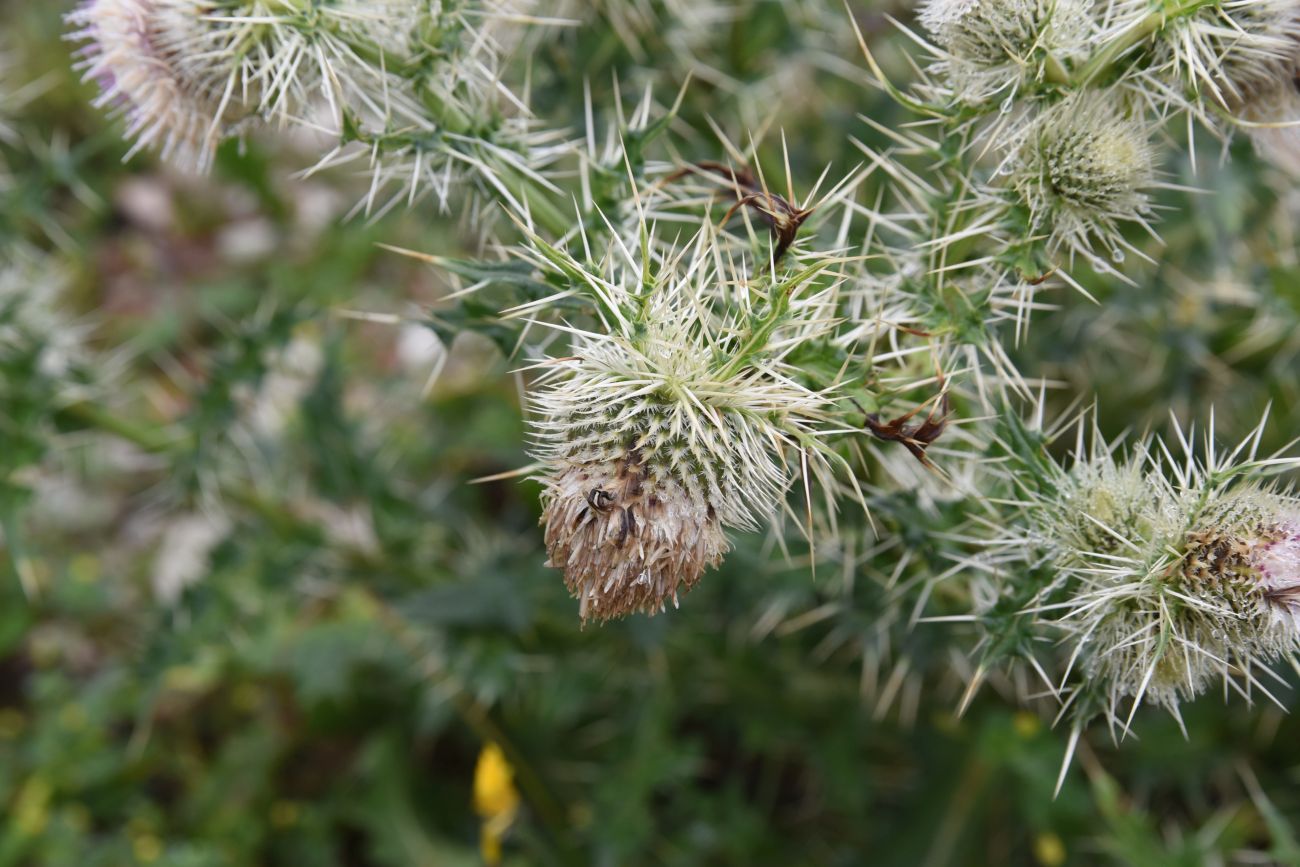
(1084, 168)
(1169, 578)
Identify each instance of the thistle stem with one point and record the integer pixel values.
(86, 415)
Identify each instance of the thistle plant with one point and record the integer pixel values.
(1155, 576)
(745, 307)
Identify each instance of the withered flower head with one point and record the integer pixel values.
(678, 425)
(628, 537)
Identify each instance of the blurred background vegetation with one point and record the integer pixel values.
(253, 610)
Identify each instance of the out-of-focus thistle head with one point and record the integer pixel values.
(674, 422)
(992, 47)
(1272, 118)
(188, 74)
(1082, 169)
(1222, 52)
(1168, 576)
(392, 75)
(156, 62)
(34, 326)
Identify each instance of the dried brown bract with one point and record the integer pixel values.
(916, 438)
(782, 217)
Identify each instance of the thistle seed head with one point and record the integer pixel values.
(629, 538)
(1082, 169)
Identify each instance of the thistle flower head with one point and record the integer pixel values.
(153, 63)
(188, 74)
(1221, 51)
(1082, 169)
(993, 46)
(1168, 577)
(673, 425)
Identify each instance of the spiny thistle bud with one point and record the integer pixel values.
(1167, 577)
(1083, 168)
(993, 46)
(658, 437)
(1225, 51)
